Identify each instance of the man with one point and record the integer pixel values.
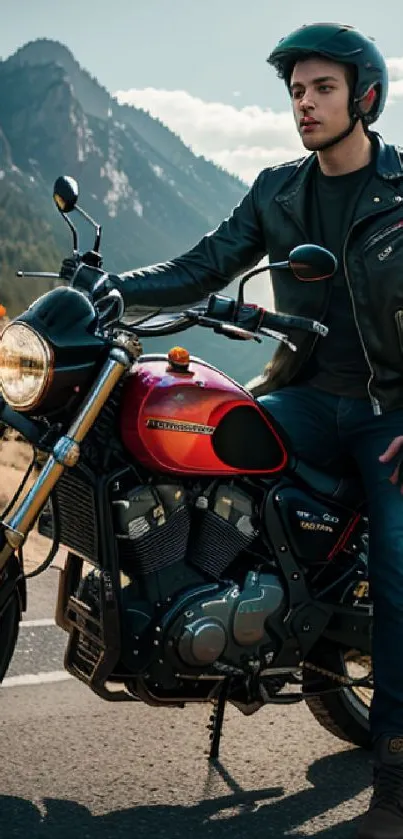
(343, 395)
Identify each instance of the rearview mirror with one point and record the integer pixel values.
(65, 193)
(312, 262)
(307, 262)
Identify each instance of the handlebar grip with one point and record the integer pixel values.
(272, 320)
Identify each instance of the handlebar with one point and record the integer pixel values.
(222, 314)
(226, 316)
(233, 318)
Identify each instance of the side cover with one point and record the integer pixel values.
(196, 421)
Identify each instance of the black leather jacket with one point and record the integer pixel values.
(270, 219)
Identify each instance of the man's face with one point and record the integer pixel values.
(320, 95)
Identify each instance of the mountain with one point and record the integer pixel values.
(152, 195)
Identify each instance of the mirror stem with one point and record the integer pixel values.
(73, 230)
(256, 271)
(98, 227)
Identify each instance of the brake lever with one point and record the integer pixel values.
(231, 330)
(279, 336)
(224, 328)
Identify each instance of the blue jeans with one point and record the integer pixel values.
(323, 429)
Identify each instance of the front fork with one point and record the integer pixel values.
(66, 453)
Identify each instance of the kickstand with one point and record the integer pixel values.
(216, 721)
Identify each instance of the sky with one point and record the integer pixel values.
(200, 65)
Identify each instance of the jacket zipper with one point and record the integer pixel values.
(376, 406)
(377, 237)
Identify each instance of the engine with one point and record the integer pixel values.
(193, 605)
(181, 603)
(159, 525)
(226, 628)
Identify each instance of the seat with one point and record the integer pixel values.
(346, 489)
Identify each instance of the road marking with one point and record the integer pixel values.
(38, 622)
(35, 679)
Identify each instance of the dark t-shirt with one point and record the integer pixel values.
(338, 364)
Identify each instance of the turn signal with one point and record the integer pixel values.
(179, 358)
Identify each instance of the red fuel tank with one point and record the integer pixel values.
(194, 420)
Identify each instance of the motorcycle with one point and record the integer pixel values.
(205, 562)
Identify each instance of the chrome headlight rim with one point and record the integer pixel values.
(48, 368)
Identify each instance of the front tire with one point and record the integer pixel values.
(9, 626)
(344, 713)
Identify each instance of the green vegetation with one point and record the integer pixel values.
(28, 243)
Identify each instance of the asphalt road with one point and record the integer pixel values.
(75, 767)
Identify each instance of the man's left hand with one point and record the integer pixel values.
(390, 454)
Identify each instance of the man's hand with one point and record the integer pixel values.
(92, 281)
(390, 454)
(71, 263)
(68, 268)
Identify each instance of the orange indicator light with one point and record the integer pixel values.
(179, 357)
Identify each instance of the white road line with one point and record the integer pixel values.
(35, 679)
(37, 622)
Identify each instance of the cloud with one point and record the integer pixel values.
(395, 67)
(243, 140)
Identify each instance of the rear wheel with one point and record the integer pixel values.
(9, 625)
(344, 713)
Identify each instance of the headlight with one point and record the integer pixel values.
(26, 366)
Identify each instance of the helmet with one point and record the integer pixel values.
(346, 45)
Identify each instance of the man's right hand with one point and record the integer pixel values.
(394, 449)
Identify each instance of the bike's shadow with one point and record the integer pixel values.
(336, 780)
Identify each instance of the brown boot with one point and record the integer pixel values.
(384, 819)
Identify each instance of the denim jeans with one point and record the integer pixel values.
(323, 429)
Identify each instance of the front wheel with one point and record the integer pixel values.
(344, 713)
(9, 625)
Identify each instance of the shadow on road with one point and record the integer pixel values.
(335, 781)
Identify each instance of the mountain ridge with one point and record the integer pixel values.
(152, 195)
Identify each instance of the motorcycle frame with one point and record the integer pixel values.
(310, 618)
(72, 614)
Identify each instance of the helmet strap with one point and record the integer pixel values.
(339, 137)
(355, 116)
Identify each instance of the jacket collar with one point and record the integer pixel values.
(292, 196)
(389, 159)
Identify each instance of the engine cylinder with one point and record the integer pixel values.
(224, 528)
(152, 525)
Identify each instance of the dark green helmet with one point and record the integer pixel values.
(344, 44)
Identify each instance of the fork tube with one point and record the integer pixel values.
(66, 453)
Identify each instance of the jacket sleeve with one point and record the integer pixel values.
(236, 245)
